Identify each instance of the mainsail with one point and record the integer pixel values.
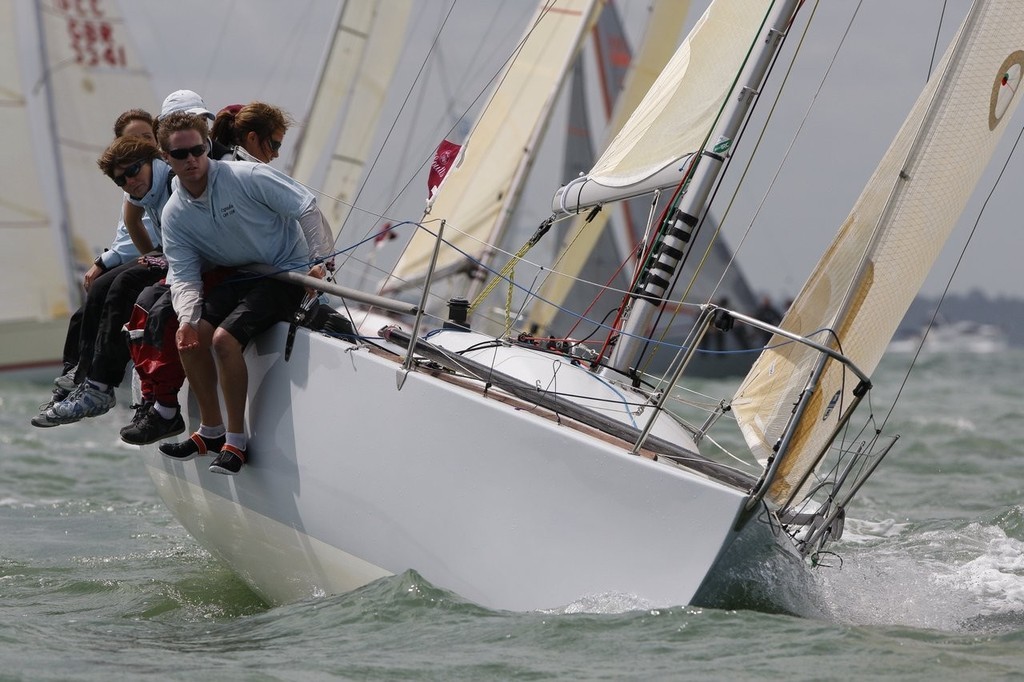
(31, 259)
(334, 144)
(868, 277)
(68, 69)
(478, 195)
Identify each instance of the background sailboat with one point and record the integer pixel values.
(68, 69)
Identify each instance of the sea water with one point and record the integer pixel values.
(98, 582)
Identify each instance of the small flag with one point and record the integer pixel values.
(384, 235)
(444, 157)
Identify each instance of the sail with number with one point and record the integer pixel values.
(861, 288)
(69, 69)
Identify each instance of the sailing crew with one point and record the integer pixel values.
(135, 164)
(253, 132)
(229, 214)
(128, 245)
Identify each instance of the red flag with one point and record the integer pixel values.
(444, 157)
(384, 235)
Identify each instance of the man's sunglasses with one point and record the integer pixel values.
(182, 154)
(129, 172)
(275, 145)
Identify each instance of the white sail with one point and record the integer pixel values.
(93, 73)
(336, 139)
(663, 29)
(31, 260)
(868, 277)
(678, 112)
(68, 70)
(478, 195)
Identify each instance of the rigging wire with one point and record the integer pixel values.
(935, 45)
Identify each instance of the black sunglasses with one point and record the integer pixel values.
(275, 145)
(129, 172)
(181, 154)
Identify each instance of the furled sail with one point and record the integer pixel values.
(479, 194)
(863, 285)
(678, 112)
(359, 65)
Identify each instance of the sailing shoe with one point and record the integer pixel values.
(151, 427)
(229, 461)
(66, 381)
(85, 401)
(140, 411)
(195, 445)
(42, 420)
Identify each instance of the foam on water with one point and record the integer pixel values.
(964, 578)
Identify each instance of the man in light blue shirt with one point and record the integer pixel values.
(229, 214)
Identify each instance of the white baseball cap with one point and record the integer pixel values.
(187, 101)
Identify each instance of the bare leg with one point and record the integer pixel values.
(202, 375)
(234, 378)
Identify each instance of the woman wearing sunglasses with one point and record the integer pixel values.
(254, 132)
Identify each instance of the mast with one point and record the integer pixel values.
(63, 232)
(657, 277)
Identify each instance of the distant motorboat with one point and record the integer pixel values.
(962, 336)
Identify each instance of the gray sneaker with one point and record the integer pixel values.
(42, 420)
(84, 401)
(66, 381)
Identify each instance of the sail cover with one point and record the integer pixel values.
(881, 256)
(678, 111)
(478, 194)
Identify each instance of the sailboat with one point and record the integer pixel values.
(68, 70)
(523, 477)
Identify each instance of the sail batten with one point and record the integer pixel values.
(863, 285)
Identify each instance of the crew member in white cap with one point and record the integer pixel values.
(187, 101)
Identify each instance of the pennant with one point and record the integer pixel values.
(444, 157)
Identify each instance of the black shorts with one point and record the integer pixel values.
(246, 305)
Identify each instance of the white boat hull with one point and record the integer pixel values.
(32, 348)
(351, 479)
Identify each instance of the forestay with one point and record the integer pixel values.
(868, 277)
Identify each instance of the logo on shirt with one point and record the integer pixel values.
(227, 211)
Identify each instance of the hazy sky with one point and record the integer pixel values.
(265, 49)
